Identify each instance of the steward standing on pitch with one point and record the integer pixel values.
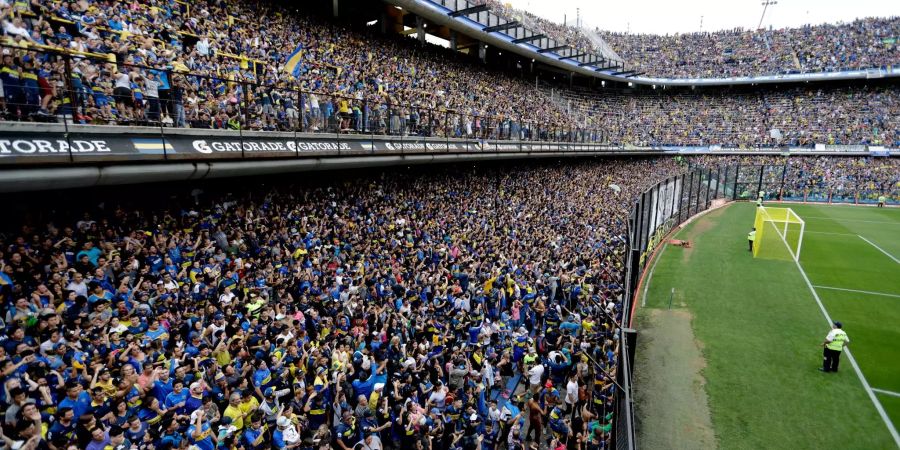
(751, 236)
(834, 344)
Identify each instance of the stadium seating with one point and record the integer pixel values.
(210, 66)
(136, 62)
(367, 309)
(860, 44)
(796, 116)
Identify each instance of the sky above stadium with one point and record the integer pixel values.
(667, 16)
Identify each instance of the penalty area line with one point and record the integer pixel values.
(880, 249)
(862, 379)
(885, 222)
(831, 288)
(891, 393)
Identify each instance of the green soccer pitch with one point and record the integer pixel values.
(757, 327)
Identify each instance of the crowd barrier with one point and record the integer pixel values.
(23, 144)
(27, 143)
(183, 99)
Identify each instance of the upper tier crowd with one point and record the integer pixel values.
(210, 65)
(137, 57)
(766, 118)
(561, 33)
(447, 309)
(860, 44)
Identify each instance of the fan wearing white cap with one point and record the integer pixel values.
(285, 435)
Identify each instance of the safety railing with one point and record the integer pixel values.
(656, 212)
(59, 86)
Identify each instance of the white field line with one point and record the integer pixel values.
(851, 220)
(828, 232)
(859, 374)
(891, 393)
(880, 249)
(884, 294)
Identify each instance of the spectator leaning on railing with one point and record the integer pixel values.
(223, 52)
(121, 63)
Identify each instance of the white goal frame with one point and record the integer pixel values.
(789, 217)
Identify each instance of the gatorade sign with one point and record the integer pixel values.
(43, 146)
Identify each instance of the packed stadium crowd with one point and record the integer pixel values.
(863, 43)
(767, 118)
(456, 308)
(852, 179)
(211, 65)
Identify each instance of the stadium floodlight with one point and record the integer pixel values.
(765, 4)
(779, 234)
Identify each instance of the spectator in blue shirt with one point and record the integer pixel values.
(76, 398)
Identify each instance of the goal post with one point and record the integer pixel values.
(779, 234)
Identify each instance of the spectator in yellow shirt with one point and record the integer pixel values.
(235, 412)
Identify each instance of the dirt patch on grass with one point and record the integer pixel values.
(672, 409)
(701, 226)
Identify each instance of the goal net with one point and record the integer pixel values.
(779, 234)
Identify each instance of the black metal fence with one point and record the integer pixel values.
(791, 182)
(52, 85)
(656, 212)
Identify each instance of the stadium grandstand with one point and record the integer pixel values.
(175, 271)
(861, 44)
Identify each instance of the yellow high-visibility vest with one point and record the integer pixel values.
(837, 344)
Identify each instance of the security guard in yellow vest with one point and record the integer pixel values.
(751, 236)
(834, 344)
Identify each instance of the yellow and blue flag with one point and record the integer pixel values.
(292, 65)
(6, 285)
(152, 146)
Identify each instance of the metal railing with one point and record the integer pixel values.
(790, 182)
(79, 88)
(656, 212)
